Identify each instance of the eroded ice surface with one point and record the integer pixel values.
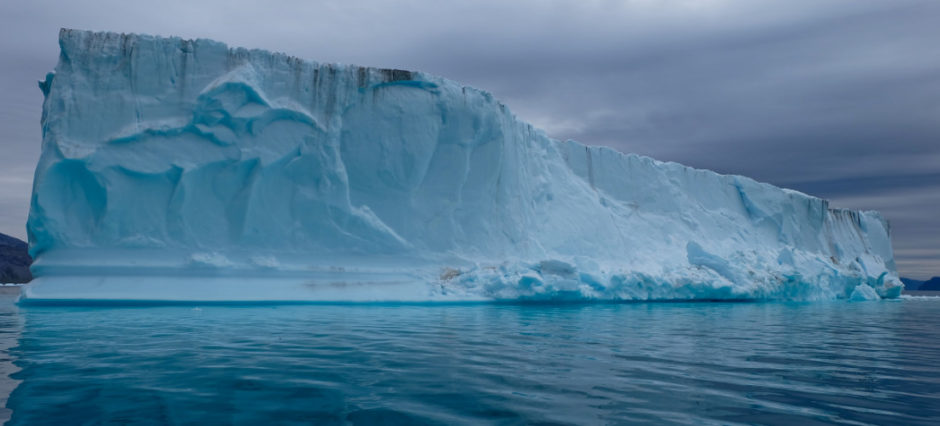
(188, 170)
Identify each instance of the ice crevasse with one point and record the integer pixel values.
(186, 170)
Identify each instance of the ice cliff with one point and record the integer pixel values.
(187, 170)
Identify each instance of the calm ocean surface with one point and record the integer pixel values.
(699, 363)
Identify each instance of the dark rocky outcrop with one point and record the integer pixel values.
(911, 284)
(14, 260)
(932, 284)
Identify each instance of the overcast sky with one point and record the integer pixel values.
(839, 98)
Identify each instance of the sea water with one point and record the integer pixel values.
(699, 363)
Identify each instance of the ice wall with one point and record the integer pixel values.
(188, 170)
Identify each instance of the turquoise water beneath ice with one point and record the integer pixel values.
(699, 363)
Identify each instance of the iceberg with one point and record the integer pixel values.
(186, 170)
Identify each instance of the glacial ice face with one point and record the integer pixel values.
(188, 170)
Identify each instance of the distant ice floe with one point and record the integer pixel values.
(920, 297)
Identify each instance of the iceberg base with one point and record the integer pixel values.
(545, 281)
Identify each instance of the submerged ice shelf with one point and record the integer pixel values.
(187, 170)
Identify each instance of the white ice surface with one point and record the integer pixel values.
(170, 162)
(863, 292)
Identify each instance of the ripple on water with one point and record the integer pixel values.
(872, 362)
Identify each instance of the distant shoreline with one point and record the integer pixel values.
(921, 292)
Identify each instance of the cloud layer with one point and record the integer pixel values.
(839, 99)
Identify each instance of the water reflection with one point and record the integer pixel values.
(11, 325)
(656, 363)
